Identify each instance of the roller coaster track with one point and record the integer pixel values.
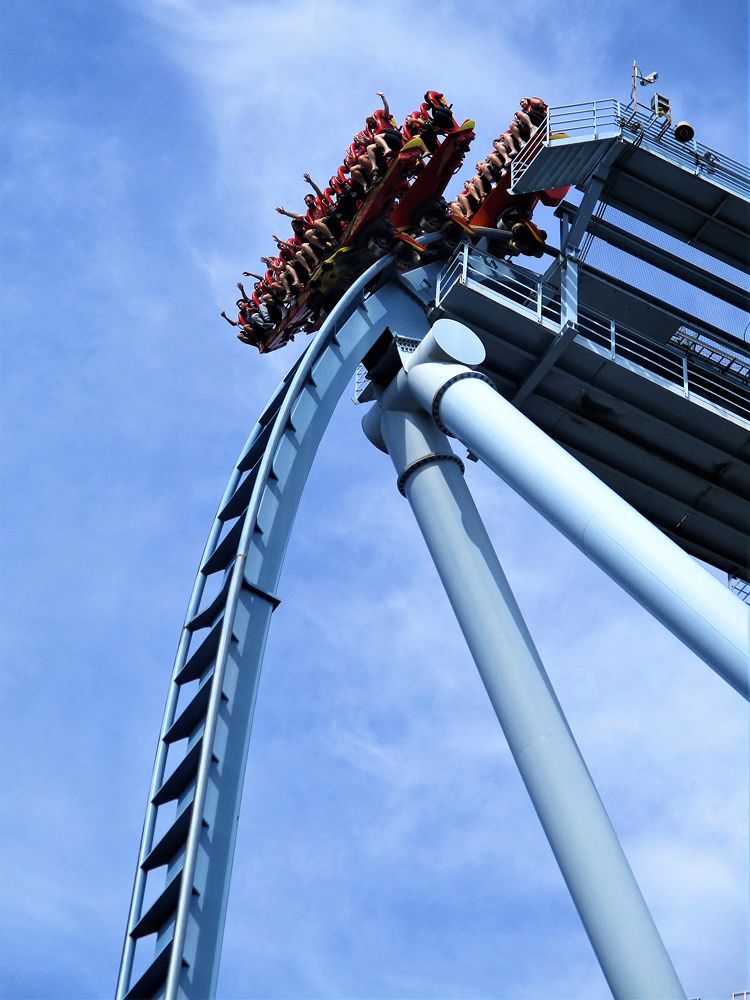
(195, 803)
(629, 418)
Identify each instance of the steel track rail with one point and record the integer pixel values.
(214, 682)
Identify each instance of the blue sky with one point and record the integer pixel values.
(387, 847)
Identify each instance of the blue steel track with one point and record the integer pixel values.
(194, 797)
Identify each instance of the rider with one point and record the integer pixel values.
(418, 125)
(244, 315)
(359, 172)
(316, 232)
(438, 110)
(249, 323)
(477, 188)
(465, 203)
(385, 137)
(300, 258)
(535, 108)
(247, 335)
(333, 218)
(484, 180)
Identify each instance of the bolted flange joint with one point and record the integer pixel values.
(426, 460)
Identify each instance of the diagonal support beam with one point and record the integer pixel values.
(544, 363)
(690, 602)
(585, 845)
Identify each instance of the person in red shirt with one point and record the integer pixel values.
(417, 125)
(324, 198)
(270, 281)
(318, 233)
(386, 139)
(247, 320)
(300, 258)
(499, 157)
(535, 108)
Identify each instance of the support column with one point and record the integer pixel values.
(671, 585)
(604, 890)
(569, 290)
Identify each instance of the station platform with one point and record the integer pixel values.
(683, 188)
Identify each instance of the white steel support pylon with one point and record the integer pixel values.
(596, 871)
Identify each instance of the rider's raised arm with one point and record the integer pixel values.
(290, 215)
(314, 186)
(384, 99)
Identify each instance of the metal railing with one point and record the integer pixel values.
(583, 121)
(676, 365)
(718, 356)
(512, 285)
(642, 126)
(592, 120)
(537, 141)
(668, 364)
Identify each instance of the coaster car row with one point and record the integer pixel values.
(388, 189)
(485, 200)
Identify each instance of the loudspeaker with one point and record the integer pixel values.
(684, 131)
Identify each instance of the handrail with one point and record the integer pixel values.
(678, 366)
(608, 118)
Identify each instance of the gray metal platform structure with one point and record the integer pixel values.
(648, 391)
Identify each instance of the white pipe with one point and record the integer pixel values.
(671, 585)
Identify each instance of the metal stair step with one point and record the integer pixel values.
(225, 551)
(274, 404)
(203, 655)
(181, 777)
(256, 449)
(187, 721)
(239, 500)
(153, 979)
(160, 910)
(211, 612)
(169, 845)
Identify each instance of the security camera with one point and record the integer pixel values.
(684, 132)
(651, 78)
